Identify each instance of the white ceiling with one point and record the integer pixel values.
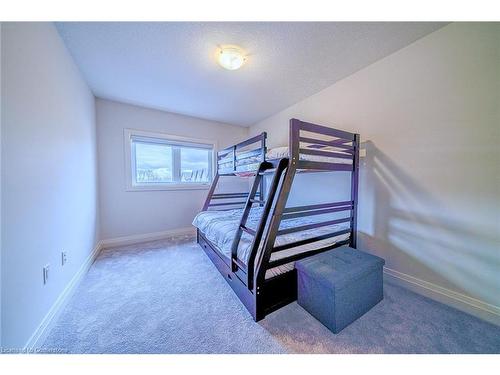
(171, 66)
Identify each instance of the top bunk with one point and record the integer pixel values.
(311, 148)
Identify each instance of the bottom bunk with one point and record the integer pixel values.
(215, 233)
(264, 299)
(219, 227)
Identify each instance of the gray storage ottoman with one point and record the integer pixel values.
(340, 285)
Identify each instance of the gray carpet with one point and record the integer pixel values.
(167, 297)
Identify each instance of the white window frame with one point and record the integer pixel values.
(131, 185)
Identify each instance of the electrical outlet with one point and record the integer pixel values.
(64, 258)
(46, 274)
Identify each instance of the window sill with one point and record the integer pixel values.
(169, 187)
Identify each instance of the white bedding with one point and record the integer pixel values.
(252, 163)
(219, 227)
(283, 152)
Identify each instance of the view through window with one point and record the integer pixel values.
(157, 161)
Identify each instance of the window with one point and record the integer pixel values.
(153, 162)
(157, 161)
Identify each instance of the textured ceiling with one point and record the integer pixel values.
(171, 66)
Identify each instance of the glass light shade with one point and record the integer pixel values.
(231, 58)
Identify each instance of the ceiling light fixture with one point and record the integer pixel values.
(231, 57)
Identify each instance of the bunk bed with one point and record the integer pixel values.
(254, 238)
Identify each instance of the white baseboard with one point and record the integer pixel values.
(38, 336)
(446, 296)
(138, 238)
(460, 301)
(40, 333)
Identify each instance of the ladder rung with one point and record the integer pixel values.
(257, 201)
(240, 264)
(247, 230)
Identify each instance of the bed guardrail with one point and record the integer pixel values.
(229, 201)
(242, 157)
(335, 149)
(245, 156)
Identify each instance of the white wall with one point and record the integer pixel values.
(0, 184)
(49, 174)
(128, 213)
(429, 120)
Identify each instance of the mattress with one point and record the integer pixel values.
(219, 227)
(252, 163)
(283, 152)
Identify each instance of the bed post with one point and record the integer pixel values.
(262, 186)
(354, 192)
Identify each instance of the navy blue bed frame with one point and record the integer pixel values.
(259, 294)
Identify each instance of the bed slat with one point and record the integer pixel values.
(322, 166)
(225, 204)
(305, 254)
(324, 153)
(229, 195)
(247, 230)
(325, 130)
(339, 143)
(242, 266)
(317, 206)
(315, 212)
(248, 154)
(313, 226)
(306, 241)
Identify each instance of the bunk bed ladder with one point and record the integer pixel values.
(251, 199)
(280, 167)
